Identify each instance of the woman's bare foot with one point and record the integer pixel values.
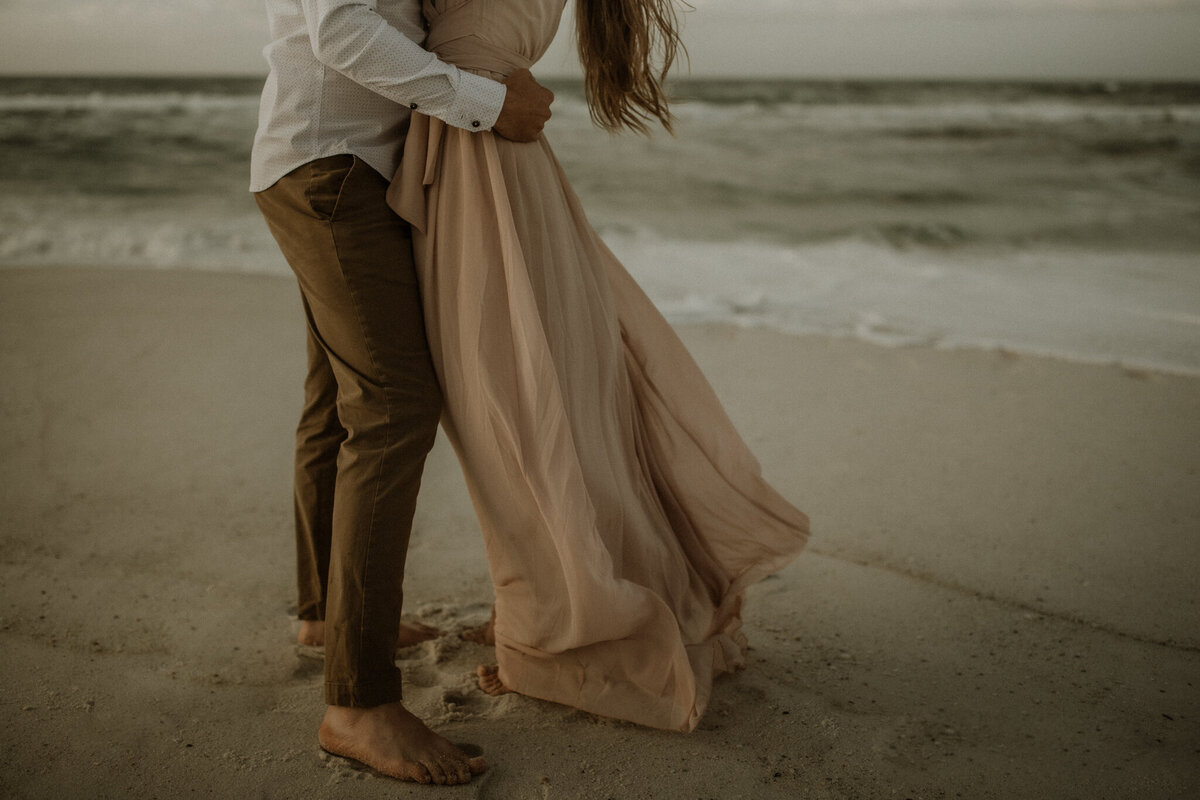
(484, 634)
(390, 740)
(312, 633)
(489, 680)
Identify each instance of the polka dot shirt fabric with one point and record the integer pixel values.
(345, 77)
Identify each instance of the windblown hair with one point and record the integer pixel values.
(627, 47)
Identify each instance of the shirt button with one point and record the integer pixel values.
(413, 106)
(475, 124)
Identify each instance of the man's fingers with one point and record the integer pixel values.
(526, 107)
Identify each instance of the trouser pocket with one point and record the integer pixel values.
(327, 177)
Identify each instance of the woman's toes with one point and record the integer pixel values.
(489, 680)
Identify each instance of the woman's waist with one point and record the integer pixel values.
(474, 54)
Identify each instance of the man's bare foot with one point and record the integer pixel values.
(390, 740)
(414, 633)
(312, 633)
(489, 680)
(484, 634)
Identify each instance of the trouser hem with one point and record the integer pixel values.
(362, 695)
(310, 613)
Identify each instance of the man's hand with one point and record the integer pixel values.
(526, 108)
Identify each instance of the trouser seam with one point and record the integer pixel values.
(387, 410)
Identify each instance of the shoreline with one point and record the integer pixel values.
(998, 599)
(1133, 366)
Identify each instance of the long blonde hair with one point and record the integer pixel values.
(627, 48)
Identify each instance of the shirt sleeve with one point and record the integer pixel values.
(351, 37)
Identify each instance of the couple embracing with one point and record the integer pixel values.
(448, 274)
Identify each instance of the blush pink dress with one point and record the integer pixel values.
(622, 515)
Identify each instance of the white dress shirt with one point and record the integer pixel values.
(345, 75)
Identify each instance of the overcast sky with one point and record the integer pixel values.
(801, 38)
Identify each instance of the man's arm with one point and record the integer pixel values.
(351, 37)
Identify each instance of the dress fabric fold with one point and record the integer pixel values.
(622, 514)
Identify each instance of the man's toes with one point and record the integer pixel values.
(414, 633)
(477, 765)
(456, 771)
(417, 773)
(436, 774)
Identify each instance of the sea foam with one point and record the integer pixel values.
(1135, 309)
(1056, 219)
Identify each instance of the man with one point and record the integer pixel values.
(344, 77)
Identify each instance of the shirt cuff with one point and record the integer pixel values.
(476, 104)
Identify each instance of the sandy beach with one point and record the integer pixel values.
(1000, 598)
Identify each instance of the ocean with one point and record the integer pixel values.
(1059, 219)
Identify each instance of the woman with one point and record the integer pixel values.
(623, 516)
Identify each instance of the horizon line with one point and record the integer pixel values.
(562, 76)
